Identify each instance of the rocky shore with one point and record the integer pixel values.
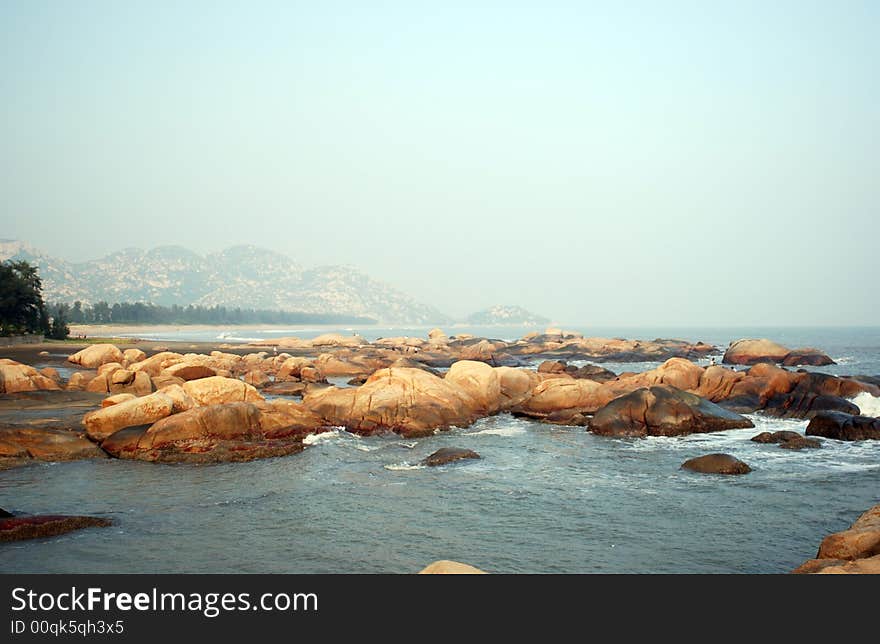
(177, 403)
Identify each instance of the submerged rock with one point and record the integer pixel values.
(787, 440)
(844, 427)
(448, 455)
(716, 464)
(18, 528)
(663, 411)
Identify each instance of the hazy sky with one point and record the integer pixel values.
(680, 163)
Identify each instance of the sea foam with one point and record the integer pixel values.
(868, 404)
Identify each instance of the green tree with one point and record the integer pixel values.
(21, 299)
(59, 330)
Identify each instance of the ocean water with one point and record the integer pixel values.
(543, 499)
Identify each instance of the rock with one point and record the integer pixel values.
(592, 372)
(337, 340)
(754, 351)
(448, 455)
(96, 355)
(4, 514)
(809, 356)
(446, 567)
(295, 388)
(154, 365)
(46, 444)
(552, 366)
(479, 381)
(663, 411)
(189, 371)
(51, 373)
(108, 368)
(49, 525)
(311, 374)
(115, 399)
(844, 427)
(411, 402)
(558, 394)
(160, 382)
(130, 356)
(223, 421)
(438, 336)
(716, 464)
(78, 381)
(516, 386)
(16, 377)
(103, 422)
(257, 378)
(787, 440)
(217, 390)
(291, 368)
(855, 550)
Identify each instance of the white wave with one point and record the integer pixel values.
(868, 404)
(366, 448)
(311, 439)
(407, 445)
(404, 467)
(498, 431)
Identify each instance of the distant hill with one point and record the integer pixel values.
(501, 315)
(240, 276)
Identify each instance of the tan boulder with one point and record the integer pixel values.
(115, 399)
(257, 378)
(79, 380)
(189, 371)
(130, 356)
(337, 340)
(291, 368)
(181, 400)
(102, 423)
(154, 365)
(556, 394)
(16, 377)
(754, 351)
(160, 382)
(411, 402)
(480, 382)
(217, 390)
(108, 368)
(96, 355)
(51, 373)
(284, 417)
(447, 567)
(861, 540)
(47, 444)
(223, 421)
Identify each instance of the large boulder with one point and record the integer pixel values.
(479, 381)
(411, 402)
(130, 356)
(189, 371)
(844, 427)
(216, 390)
(557, 394)
(663, 411)
(103, 422)
(787, 440)
(716, 464)
(16, 377)
(46, 444)
(96, 355)
(154, 365)
(223, 421)
(750, 352)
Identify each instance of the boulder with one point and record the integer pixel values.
(257, 378)
(663, 411)
(189, 371)
(51, 373)
(480, 382)
(154, 365)
(96, 355)
(855, 550)
(809, 357)
(754, 351)
(181, 401)
(217, 390)
(102, 423)
(78, 381)
(20, 528)
(716, 464)
(46, 444)
(558, 394)
(115, 399)
(411, 402)
(16, 377)
(844, 427)
(787, 440)
(448, 455)
(337, 340)
(130, 356)
(224, 421)
(446, 567)
(291, 368)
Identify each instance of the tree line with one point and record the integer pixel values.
(22, 310)
(146, 313)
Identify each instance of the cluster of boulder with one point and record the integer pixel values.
(855, 550)
(749, 352)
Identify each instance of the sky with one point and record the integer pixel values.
(620, 163)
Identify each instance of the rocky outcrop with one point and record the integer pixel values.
(663, 410)
(716, 464)
(447, 567)
(19, 528)
(446, 455)
(749, 352)
(480, 382)
(46, 444)
(16, 377)
(238, 431)
(844, 427)
(855, 550)
(410, 402)
(96, 355)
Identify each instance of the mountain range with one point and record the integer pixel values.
(239, 276)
